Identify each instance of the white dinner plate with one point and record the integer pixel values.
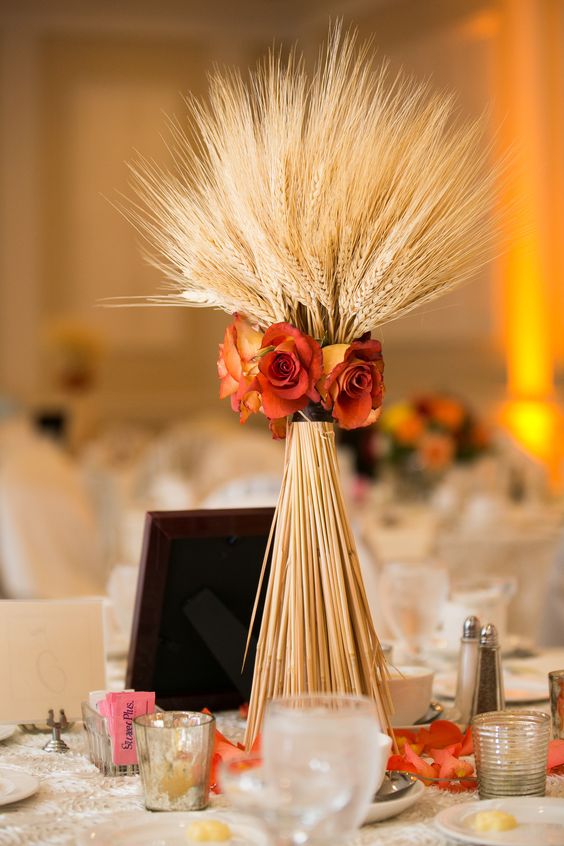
(540, 822)
(379, 811)
(16, 785)
(518, 689)
(6, 732)
(168, 829)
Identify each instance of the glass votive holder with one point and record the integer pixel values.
(511, 751)
(175, 750)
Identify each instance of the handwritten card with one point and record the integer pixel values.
(51, 655)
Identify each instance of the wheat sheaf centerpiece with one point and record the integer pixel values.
(314, 209)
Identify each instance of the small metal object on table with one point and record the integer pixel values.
(56, 743)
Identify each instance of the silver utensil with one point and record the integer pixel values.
(395, 784)
(434, 712)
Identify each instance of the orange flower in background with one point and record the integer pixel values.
(353, 384)
(447, 412)
(436, 451)
(236, 365)
(290, 364)
(409, 430)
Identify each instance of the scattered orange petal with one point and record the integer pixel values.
(555, 754)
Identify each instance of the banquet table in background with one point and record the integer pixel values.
(74, 797)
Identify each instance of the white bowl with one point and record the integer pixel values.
(410, 689)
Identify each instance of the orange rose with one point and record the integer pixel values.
(436, 451)
(409, 431)
(353, 383)
(288, 370)
(448, 412)
(237, 366)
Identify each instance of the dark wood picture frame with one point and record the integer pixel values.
(232, 542)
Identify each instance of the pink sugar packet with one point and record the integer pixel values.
(120, 709)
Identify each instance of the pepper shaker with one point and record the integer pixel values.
(467, 670)
(489, 695)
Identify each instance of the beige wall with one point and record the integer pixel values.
(82, 84)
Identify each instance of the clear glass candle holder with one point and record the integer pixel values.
(175, 750)
(511, 751)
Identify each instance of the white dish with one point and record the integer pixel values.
(379, 811)
(410, 691)
(518, 689)
(6, 732)
(16, 785)
(540, 822)
(148, 829)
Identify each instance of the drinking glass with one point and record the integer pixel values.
(413, 597)
(511, 750)
(293, 807)
(328, 740)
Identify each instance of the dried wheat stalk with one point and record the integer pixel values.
(335, 203)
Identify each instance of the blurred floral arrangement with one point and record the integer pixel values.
(74, 350)
(430, 433)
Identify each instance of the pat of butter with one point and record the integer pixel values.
(208, 831)
(493, 821)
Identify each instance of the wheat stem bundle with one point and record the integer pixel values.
(317, 633)
(334, 203)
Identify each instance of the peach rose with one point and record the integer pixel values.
(289, 367)
(436, 451)
(353, 383)
(447, 412)
(237, 366)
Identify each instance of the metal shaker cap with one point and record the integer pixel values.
(488, 635)
(471, 628)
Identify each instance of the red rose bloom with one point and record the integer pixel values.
(353, 385)
(288, 370)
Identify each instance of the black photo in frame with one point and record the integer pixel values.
(197, 585)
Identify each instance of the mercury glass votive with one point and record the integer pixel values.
(175, 750)
(511, 751)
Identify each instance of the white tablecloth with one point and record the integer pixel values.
(74, 796)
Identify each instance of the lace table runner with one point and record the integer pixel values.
(74, 796)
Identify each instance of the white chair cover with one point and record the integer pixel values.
(49, 543)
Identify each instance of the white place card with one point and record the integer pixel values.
(51, 656)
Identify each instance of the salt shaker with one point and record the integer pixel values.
(467, 670)
(489, 694)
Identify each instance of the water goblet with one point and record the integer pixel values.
(333, 740)
(291, 805)
(413, 597)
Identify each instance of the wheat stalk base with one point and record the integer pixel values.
(317, 633)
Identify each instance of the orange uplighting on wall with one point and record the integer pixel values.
(527, 277)
(535, 425)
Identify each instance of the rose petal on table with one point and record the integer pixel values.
(399, 763)
(555, 754)
(440, 755)
(452, 767)
(440, 734)
(422, 767)
(467, 747)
